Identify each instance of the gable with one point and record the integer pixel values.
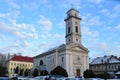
(77, 47)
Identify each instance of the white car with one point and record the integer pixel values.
(41, 77)
(93, 79)
(23, 78)
(63, 78)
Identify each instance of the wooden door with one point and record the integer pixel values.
(78, 72)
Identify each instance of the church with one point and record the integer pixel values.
(72, 56)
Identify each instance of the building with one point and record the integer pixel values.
(22, 62)
(72, 56)
(106, 63)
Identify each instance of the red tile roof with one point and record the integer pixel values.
(22, 58)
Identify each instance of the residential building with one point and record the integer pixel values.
(22, 62)
(106, 63)
(72, 56)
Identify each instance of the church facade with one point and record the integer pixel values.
(72, 56)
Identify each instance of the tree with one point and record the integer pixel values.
(59, 71)
(44, 72)
(88, 74)
(35, 72)
(21, 72)
(16, 70)
(106, 75)
(26, 72)
(2, 71)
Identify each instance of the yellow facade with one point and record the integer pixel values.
(21, 65)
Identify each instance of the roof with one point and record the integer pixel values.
(73, 9)
(50, 51)
(22, 58)
(60, 48)
(109, 59)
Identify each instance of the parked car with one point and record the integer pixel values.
(23, 78)
(4, 78)
(54, 77)
(79, 79)
(93, 79)
(63, 78)
(41, 77)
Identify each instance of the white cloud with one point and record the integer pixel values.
(21, 31)
(19, 34)
(33, 35)
(13, 4)
(70, 3)
(1, 37)
(117, 8)
(45, 24)
(45, 3)
(25, 44)
(113, 13)
(86, 31)
(118, 27)
(11, 47)
(5, 15)
(91, 20)
(102, 48)
(61, 24)
(5, 28)
(31, 5)
(95, 1)
(10, 15)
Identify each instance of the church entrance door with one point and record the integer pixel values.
(78, 72)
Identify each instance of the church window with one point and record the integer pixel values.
(68, 29)
(76, 23)
(11, 69)
(115, 67)
(75, 14)
(41, 62)
(118, 66)
(68, 23)
(112, 67)
(11, 63)
(76, 29)
(76, 39)
(69, 40)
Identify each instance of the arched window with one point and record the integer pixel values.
(41, 62)
(75, 14)
(76, 22)
(76, 29)
(68, 29)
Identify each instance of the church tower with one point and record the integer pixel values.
(73, 31)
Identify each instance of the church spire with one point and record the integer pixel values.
(73, 31)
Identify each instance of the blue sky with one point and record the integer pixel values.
(31, 27)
